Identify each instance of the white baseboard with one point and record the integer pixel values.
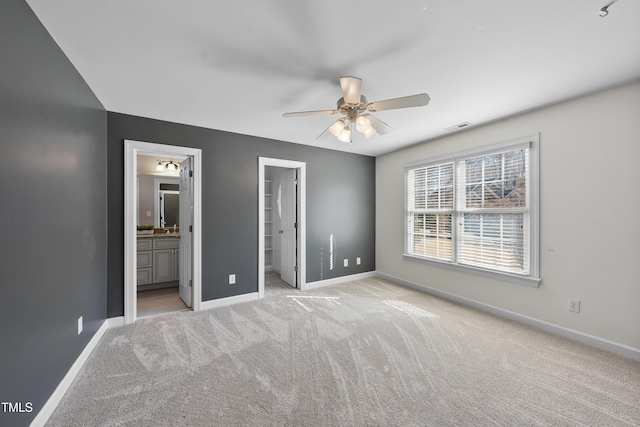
(53, 401)
(335, 281)
(613, 347)
(591, 340)
(114, 322)
(222, 302)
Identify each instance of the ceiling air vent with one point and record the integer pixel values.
(459, 126)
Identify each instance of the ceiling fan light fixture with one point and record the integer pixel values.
(363, 123)
(369, 132)
(337, 127)
(353, 106)
(345, 134)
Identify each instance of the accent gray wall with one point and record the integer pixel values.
(340, 201)
(53, 215)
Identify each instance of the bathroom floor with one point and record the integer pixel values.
(159, 301)
(167, 300)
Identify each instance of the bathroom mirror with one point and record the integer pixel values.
(168, 200)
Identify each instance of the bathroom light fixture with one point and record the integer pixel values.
(166, 166)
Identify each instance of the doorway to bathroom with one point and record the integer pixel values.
(162, 260)
(158, 250)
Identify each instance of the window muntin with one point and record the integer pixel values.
(473, 210)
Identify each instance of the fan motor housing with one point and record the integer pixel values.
(352, 110)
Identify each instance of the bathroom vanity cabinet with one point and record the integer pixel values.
(157, 259)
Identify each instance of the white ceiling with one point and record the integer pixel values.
(238, 65)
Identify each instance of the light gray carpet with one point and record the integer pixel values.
(364, 353)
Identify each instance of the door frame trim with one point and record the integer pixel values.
(301, 235)
(131, 150)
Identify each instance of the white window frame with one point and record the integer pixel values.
(533, 202)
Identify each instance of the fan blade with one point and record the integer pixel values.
(381, 127)
(351, 89)
(402, 102)
(310, 113)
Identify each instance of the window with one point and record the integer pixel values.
(477, 210)
(431, 211)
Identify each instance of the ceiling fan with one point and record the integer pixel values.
(355, 108)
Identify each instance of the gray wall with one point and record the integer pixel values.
(53, 215)
(340, 201)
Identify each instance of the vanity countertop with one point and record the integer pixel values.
(156, 235)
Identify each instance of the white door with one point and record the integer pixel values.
(186, 232)
(288, 238)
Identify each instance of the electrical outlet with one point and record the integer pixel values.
(346, 262)
(232, 279)
(358, 261)
(574, 305)
(79, 325)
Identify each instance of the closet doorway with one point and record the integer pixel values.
(282, 228)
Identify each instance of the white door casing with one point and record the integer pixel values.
(186, 223)
(287, 230)
(301, 233)
(131, 150)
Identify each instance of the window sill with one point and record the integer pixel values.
(505, 277)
